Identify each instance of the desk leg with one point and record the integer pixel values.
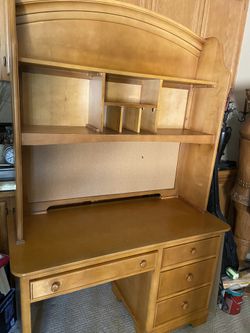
(25, 306)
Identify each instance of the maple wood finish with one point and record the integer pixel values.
(118, 102)
(109, 254)
(5, 56)
(7, 204)
(207, 18)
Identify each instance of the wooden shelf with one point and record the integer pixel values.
(131, 105)
(48, 135)
(59, 65)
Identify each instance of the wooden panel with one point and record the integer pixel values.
(186, 277)
(149, 119)
(188, 13)
(144, 38)
(208, 19)
(114, 118)
(4, 41)
(7, 204)
(190, 251)
(96, 102)
(134, 292)
(64, 283)
(106, 168)
(132, 119)
(150, 91)
(220, 15)
(206, 113)
(181, 305)
(54, 100)
(122, 92)
(15, 98)
(172, 108)
(3, 227)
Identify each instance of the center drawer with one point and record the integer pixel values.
(186, 277)
(75, 280)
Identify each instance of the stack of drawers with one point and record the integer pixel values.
(186, 277)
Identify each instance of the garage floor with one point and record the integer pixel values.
(96, 310)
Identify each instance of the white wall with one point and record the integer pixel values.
(242, 82)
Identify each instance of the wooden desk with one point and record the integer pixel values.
(75, 248)
(117, 102)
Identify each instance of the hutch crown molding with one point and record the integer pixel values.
(117, 114)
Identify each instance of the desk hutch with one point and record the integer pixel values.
(117, 114)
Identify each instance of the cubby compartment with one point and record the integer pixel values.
(131, 103)
(173, 106)
(55, 97)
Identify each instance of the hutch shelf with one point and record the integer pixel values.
(117, 113)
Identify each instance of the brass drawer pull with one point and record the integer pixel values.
(189, 277)
(193, 250)
(185, 305)
(55, 286)
(143, 263)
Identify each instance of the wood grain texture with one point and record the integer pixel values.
(181, 305)
(197, 161)
(172, 108)
(5, 55)
(16, 120)
(123, 227)
(90, 276)
(220, 15)
(191, 251)
(66, 66)
(96, 102)
(208, 18)
(112, 169)
(135, 293)
(137, 31)
(3, 227)
(56, 100)
(50, 135)
(185, 278)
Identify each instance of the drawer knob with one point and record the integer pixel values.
(185, 305)
(193, 250)
(143, 263)
(189, 277)
(55, 286)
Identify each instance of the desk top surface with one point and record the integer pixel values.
(89, 234)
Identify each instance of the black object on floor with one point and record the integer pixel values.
(7, 312)
(230, 257)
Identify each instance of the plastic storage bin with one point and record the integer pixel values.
(7, 312)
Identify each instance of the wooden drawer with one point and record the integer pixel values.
(75, 280)
(181, 305)
(190, 251)
(186, 277)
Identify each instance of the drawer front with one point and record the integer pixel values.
(190, 251)
(179, 306)
(60, 284)
(186, 277)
